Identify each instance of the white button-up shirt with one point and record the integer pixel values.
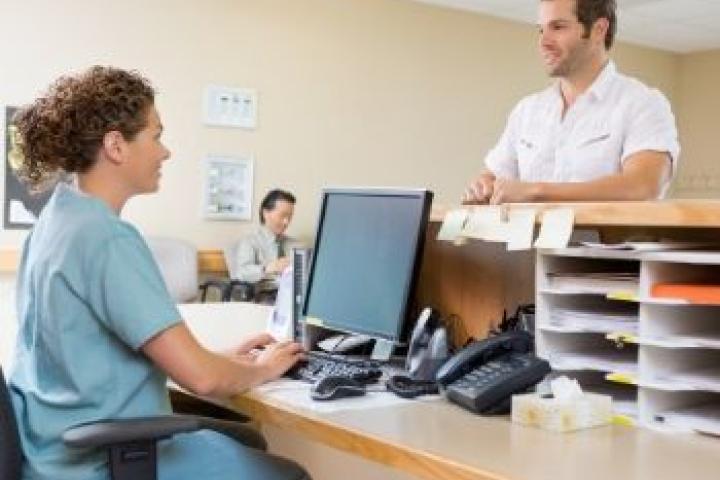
(615, 118)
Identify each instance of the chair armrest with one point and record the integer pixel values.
(112, 432)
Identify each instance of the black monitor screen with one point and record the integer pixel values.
(366, 258)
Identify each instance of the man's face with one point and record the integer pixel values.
(563, 49)
(278, 219)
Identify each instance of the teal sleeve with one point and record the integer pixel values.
(128, 293)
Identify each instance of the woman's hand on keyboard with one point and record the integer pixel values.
(276, 358)
(252, 345)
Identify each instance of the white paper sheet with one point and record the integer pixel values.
(702, 418)
(497, 224)
(616, 362)
(486, 223)
(556, 228)
(697, 379)
(607, 321)
(452, 225)
(520, 229)
(661, 246)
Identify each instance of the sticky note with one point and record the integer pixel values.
(486, 223)
(521, 226)
(452, 225)
(556, 228)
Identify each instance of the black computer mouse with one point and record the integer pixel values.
(334, 387)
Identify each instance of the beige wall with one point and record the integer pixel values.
(351, 92)
(699, 104)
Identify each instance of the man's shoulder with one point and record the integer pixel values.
(253, 237)
(635, 89)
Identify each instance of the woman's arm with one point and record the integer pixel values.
(202, 372)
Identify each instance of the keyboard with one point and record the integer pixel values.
(319, 365)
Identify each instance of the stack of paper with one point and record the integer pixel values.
(594, 282)
(603, 361)
(661, 246)
(702, 418)
(706, 379)
(600, 321)
(698, 340)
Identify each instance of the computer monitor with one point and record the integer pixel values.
(366, 260)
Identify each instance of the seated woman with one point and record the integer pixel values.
(98, 331)
(262, 255)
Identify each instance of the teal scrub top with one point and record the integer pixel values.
(89, 295)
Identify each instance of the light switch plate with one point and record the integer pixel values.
(230, 107)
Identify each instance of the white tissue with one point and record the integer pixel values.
(565, 389)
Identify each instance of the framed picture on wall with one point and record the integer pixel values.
(228, 190)
(21, 207)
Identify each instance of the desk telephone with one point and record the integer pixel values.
(483, 376)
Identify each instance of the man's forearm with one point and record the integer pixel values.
(613, 187)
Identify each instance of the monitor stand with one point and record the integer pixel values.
(382, 351)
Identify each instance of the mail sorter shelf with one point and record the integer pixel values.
(675, 376)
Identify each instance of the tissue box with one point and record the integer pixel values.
(549, 413)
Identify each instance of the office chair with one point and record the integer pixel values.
(177, 261)
(131, 443)
(231, 288)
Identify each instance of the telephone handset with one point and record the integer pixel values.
(483, 376)
(428, 349)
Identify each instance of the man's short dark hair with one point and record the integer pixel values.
(589, 11)
(271, 199)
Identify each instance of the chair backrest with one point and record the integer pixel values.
(10, 448)
(177, 260)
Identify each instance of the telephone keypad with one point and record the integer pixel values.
(485, 386)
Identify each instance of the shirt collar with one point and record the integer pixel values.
(268, 235)
(600, 86)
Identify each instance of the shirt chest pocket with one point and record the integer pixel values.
(534, 157)
(595, 153)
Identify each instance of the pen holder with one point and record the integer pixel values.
(547, 412)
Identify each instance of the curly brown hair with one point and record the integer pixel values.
(62, 130)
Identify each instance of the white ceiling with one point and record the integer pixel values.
(680, 26)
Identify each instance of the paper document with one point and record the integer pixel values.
(556, 228)
(486, 223)
(600, 321)
(702, 418)
(602, 361)
(496, 224)
(661, 246)
(452, 225)
(697, 379)
(711, 340)
(594, 282)
(521, 226)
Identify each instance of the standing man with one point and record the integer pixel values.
(595, 134)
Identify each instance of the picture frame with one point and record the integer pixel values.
(21, 206)
(228, 187)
